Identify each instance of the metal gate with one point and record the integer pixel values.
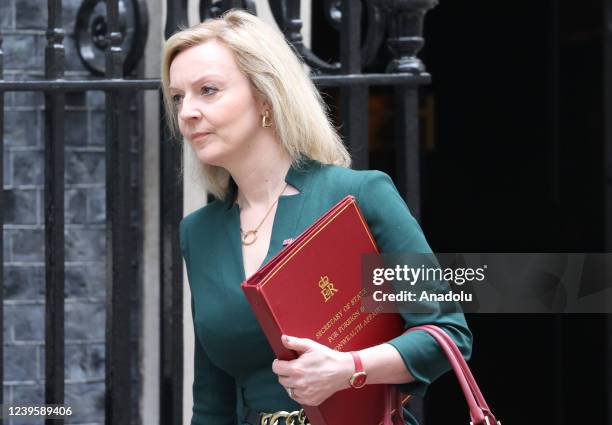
(396, 22)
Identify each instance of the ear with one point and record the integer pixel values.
(264, 105)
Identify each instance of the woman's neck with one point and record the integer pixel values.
(261, 178)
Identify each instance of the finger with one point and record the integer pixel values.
(295, 395)
(281, 367)
(285, 382)
(301, 345)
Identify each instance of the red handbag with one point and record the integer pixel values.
(480, 413)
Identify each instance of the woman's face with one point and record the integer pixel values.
(218, 112)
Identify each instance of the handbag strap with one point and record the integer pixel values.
(466, 370)
(394, 406)
(480, 413)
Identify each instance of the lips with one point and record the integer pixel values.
(199, 136)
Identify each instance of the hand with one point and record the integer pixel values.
(316, 374)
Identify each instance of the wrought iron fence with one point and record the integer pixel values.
(118, 27)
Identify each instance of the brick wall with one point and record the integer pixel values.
(23, 24)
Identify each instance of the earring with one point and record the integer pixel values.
(266, 121)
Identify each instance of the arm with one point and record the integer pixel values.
(396, 230)
(384, 365)
(214, 391)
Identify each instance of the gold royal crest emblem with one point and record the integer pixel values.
(327, 288)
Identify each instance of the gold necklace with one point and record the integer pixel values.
(250, 236)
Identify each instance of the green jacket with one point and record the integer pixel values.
(232, 359)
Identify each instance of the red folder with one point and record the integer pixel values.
(312, 289)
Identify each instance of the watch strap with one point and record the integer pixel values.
(357, 361)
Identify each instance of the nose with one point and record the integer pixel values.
(189, 110)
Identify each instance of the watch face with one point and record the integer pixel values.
(358, 380)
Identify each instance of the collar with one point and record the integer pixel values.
(296, 176)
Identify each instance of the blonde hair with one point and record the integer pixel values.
(299, 115)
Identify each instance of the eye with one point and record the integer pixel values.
(176, 99)
(208, 90)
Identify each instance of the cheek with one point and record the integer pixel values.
(244, 121)
(181, 126)
(239, 113)
(247, 121)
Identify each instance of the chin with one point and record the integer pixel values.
(210, 158)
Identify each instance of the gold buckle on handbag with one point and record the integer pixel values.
(297, 417)
(487, 421)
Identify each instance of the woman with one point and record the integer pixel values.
(259, 132)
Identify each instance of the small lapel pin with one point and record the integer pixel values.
(287, 241)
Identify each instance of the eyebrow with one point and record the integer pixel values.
(199, 80)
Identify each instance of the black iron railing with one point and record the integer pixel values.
(401, 21)
(55, 103)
